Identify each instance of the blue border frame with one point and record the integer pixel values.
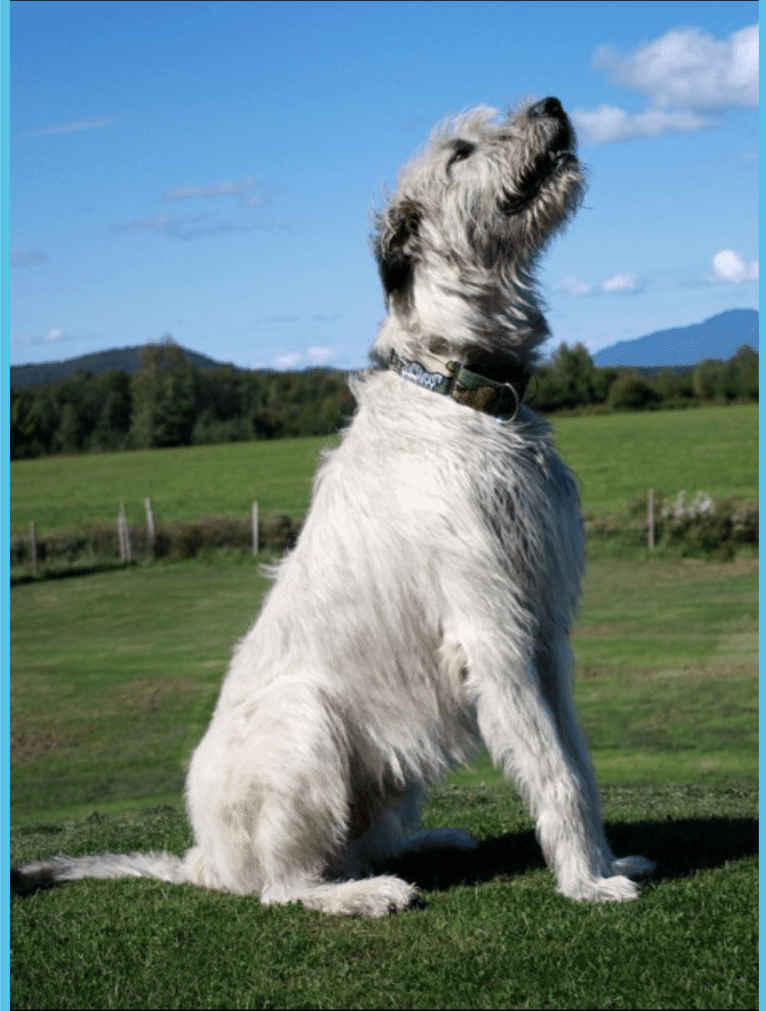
(5, 76)
(761, 609)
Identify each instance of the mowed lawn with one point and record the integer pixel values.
(114, 676)
(616, 458)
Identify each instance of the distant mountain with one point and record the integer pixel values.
(718, 337)
(122, 359)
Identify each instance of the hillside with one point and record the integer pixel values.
(718, 337)
(683, 347)
(97, 363)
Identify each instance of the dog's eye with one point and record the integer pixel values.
(462, 151)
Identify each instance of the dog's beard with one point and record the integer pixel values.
(532, 180)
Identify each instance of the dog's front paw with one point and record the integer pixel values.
(633, 867)
(614, 889)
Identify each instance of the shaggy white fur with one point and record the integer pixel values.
(430, 593)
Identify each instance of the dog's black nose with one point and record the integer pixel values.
(547, 107)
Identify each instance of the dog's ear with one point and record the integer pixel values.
(396, 244)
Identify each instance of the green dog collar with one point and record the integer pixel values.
(469, 388)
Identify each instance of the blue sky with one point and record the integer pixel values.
(208, 169)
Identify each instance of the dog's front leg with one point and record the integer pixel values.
(523, 733)
(554, 664)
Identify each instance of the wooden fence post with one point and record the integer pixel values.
(150, 536)
(255, 528)
(123, 534)
(120, 533)
(33, 539)
(651, 519)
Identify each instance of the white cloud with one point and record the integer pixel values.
(56, 334)
(287, 361)
(319, 353)
(617, 284)
(621, 284)
(730, 267)
(683, 75)
(158, 221)
(189, 226)
(74, 127)
(32, 257)
(197, 226)
(571, 286)
(225, 188)
(609, 123)
(689, 69)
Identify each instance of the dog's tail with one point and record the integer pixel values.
(45, 873)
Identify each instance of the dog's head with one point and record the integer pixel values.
(472, 213)
(482, 189)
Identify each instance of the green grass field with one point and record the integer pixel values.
(616, 457)
(490, 933)
(105, 711)
(114, 677)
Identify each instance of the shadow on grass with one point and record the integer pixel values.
(680, 847)
(70, 572)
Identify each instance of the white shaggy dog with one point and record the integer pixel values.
(430, 592)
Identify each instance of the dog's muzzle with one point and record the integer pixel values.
(551, 108)
(558, 155)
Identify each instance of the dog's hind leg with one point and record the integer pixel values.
(397, 832)
(373, 897)
(269, 794)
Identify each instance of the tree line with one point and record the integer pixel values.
(169, 402)
(571, 380)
